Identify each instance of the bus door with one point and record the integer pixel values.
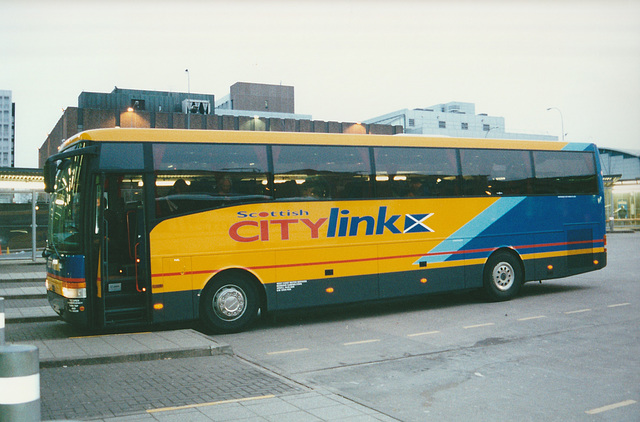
(123, 280)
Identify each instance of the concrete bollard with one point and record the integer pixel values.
(19, 383)
(1, 321)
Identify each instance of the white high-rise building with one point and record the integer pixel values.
(7, 129)
(456, 119)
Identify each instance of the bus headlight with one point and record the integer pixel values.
(74, 293)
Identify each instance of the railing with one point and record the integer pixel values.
(23, 223)
(620, 224)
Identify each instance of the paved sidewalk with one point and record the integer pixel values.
(129, 347)
(13, 275)
(24, 284)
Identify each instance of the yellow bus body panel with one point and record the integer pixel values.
(278, 246)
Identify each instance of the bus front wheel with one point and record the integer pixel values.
(229, 303)
(502, 276)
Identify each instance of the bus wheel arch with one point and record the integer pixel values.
(230, 301)
(503, 275)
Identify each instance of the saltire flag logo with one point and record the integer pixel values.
(414, 223)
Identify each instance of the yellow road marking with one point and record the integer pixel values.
(190, 406)
(532, 317)
(281, 352)
(428, 333)
(360, 342)
(479, 325)
(578, 311)
(110, 335)
(610, 407)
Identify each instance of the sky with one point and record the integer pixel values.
(347, 60)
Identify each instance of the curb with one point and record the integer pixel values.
(20, 319)
(213, 350)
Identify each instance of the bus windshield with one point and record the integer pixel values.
(65, 212)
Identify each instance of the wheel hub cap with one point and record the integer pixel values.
(503, 276)
(229, 302)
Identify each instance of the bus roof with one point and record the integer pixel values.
(260, 137)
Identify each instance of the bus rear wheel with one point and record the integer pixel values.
(503, 276)
(229, 303)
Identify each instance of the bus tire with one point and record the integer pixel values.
(503, 276)
(229, 303)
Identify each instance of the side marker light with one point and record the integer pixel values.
(329, 290)
(158, 306)
(423, 280)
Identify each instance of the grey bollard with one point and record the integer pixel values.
(19, 383)
(1, 321)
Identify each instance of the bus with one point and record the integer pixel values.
(150, 226)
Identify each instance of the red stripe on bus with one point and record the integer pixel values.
(347, 261)
(66, 279)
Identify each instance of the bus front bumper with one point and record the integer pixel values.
(70, 310)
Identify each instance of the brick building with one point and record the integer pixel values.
(263, 107)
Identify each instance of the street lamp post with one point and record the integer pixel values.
(188, 95)
(561, 119)
(131, 114)
(490, 129)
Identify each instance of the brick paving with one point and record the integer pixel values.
(41, 330)
(109, 390)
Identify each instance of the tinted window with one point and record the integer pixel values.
(321, 172)
(415, 172)
(496, 172)
(192, 177)
(565, 172)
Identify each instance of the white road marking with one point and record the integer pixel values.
(361, 342)
(281, 352)
(428, 333)
(532, 317)
(578, 311)
(610, 407)
(479, 325)
(618, 305)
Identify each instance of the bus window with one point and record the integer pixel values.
(321, 172)
(196, 177)
(496, 172)
(565, 173)
(121, 156)
(415, 172)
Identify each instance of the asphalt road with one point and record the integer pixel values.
(565, 350)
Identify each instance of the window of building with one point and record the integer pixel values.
(464, 126)
(442, 124)
(486, 128)
(412, 122)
